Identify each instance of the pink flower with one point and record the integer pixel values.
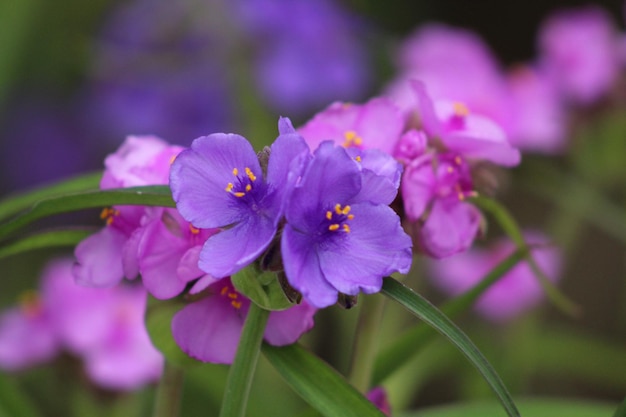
(107, 256)
(580, 53)
(516, 292)
(434, 190)
(378, 396)
(376, 124)
(209, 329)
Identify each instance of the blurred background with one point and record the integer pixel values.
(77, 77)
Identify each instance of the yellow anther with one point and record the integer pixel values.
(329, 215)
(235, 172)
(350, 216)
(248, 187)
(461, 196)
(351, 138)
(229, 187)
(458, 160)
(232, 295)
(357, 158)
(250, 174)
(194, 230)
(346, 228)
(106, 212)
(236, 304)
(224, 291)
(333, 227)
(345, 210)
(172, 159)
(460, 109)
(239, 194)
(338, 208)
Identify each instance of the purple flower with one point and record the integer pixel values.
(107, 256)
(209, 329)
(219, 183)
(580, 53)
(470, 135)
(336, 239)
(434, 190)
(376, 124)
(378, 396)
(516, 292)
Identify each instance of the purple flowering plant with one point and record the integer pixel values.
(201, 258)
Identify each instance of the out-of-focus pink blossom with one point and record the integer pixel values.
(378, 396)
(516, 292)
(579, 50)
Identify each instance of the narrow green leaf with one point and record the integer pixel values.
(510, 227)
(261, 287)
(13, 204)
(158, 195)
(46, 239)
(242, 370)
(427, 312)
(318, 383)
(408, 345)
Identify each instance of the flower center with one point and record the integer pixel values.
(338, 218)
(352, 139)
(459, 113)
(231, 294)
(243, 184)
(108, 214)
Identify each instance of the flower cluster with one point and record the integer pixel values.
(104, 327)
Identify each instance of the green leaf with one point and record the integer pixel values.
(262, 287)
(621, 410)
(157, 195)
(529, 407)
(242, 370)
(408, 345)
(46, 239)
(159, 325)
(510, 227)
(15, 203)
(13, 402)
(427, 312)
(318, 383)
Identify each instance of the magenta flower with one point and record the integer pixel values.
(376, 124)
(434, 190)
(470, 135)
(516, 292)
(168, 252)
(336, 239)
(580, 53)
(209, 329)
(378, 397)
(104, 326)
(107, 256)
(27, 337)
(219, 183)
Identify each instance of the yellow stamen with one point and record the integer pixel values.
(460, 109)
(329, 215)
(229, 187)
(235, 172)
(172, 159)
(194, 230)
(224, 291)
(338, 208)
(232, 295)
(248, 187)
(351, 139)
(458, 160)
(345, 210)
(346, 228)
(236, 304)
(250, 174)
(333, 227)
(357, 158)
(350, 216)
(461, 196)
(239, 194)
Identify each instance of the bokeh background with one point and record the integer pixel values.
(77, 77)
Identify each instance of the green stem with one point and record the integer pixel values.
(169, 392)
(366, 342)
(241, 372)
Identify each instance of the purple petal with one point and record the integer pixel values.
(232, 249)
(376, 246)
(199, 177)
(449, 229)
(303, 270)
(285, 149)
(188, 265)
(418, 185)
(99, 259)
(380, 124)
(209, 330)
(428, 118)
(285, 327)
